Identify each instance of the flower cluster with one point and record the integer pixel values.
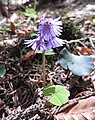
(48, 33)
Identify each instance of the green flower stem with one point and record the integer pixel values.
(43, 68)
(35, 4)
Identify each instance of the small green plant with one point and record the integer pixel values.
(6, 27)
(49, 30)
(30, 12)
(59, 95)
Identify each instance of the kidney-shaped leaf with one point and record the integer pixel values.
(59, 95)
(2, 70)
(79, 65)
(49, 90)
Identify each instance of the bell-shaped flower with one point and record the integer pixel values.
(48, 33)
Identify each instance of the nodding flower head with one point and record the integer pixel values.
(48, 32)
(50, 26)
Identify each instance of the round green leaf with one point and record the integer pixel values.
(2, 70)
(59, 95)
(60, 89)
(49, 90)
(59, 99)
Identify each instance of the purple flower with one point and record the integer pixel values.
(48, 33)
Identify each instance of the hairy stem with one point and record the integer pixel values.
(43, 68)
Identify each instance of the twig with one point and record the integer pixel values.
(91, 42)
(78, 40)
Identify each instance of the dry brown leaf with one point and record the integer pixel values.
(83, 110)
(12, 27)
(23, 32)
(83, 51)
(86, 51)
(28, 55)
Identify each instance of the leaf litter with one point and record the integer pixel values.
(21, 86)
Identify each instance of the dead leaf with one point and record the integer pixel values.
(83, 51)
(28, 55)
(23, 32)
(83, 110)
(86, 51)
(12, 27)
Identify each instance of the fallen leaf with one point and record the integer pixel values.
(83, 110)
(83, 51)
(28, 55)
(12, 27)
(86, 51)
(23, 32)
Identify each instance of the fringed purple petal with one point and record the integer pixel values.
(49, 29)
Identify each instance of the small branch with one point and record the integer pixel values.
(78, 40)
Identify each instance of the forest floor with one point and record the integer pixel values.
(21, 84)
